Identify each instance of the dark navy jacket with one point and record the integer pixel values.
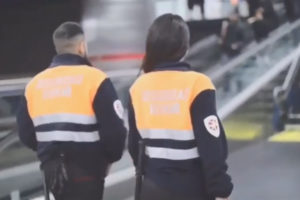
(94, 157)
(202, 178)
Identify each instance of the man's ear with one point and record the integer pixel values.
(82, 48)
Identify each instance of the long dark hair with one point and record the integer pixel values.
(168, 41)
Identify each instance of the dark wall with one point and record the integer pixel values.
(26, 28)
(204, 28)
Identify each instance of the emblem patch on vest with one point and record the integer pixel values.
(118, 107)
(212, 125)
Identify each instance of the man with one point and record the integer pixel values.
(233, 35)
(72, 117)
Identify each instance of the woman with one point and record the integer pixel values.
(172, 109)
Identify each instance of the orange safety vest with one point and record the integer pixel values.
(161, 101)
(64, 95)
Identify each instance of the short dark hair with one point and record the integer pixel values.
(167, 41)
(67, 36)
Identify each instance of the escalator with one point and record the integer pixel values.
(237, 82)
(207, 54)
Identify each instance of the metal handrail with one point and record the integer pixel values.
(288, 81)
(219, 71)
(280, 93)
(256, 86)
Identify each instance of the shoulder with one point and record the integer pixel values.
(93, 71)
(35, 79)
(201, 83)
(203, 79)
(93, 75)
(199, 79)
(140, 81)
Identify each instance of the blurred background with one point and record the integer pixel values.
(249, 48)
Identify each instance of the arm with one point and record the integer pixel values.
(212, 145)
(134, 136)
(25, 126)
(109, 111)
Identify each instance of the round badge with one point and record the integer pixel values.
(118, 107)
(212, 125)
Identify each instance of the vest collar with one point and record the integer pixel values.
(173, 66)
(69, 59)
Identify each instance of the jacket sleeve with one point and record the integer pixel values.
(134, 136)
(211, 144)
(25, 126)
(108, 110)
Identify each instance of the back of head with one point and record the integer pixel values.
(168, 41)
(68, 38)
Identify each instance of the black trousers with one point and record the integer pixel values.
(150, 191)
(80, 185)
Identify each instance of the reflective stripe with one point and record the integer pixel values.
(66, 136)
(167, 134)
(65, 117)
(172, 154)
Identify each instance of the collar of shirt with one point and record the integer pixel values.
(69, 59)
(173, 66)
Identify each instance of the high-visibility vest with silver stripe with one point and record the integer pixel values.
(161, 101)
(60, 103)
